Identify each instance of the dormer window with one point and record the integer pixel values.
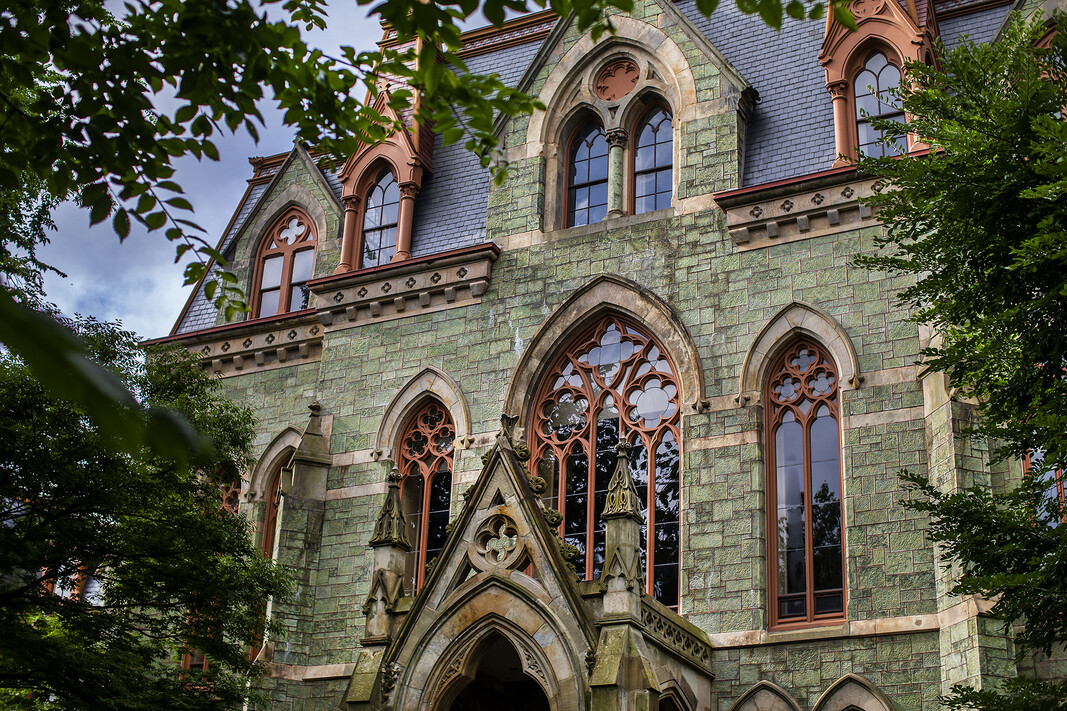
(380, 220)
(587, 176)
(872, 86)
(285, 265)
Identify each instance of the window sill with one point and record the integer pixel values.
(610, 223)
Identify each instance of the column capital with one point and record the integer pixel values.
(618, 137)
(838, 89)
(409, 190)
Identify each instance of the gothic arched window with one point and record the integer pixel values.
(653, 158)
(872, 85)
(286, 262)
(380, 220)
(270, 514)
(587, 176)
(424, 459)
(804, 487)
(614, 382)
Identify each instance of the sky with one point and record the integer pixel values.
(137, 281)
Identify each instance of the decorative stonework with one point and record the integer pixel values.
(442, 282)
(679, 640)
(496, 545)
(617, 79)
(819, 206)
(258, 345)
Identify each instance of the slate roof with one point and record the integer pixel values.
(980, 26)
(791, 130)
(451, 209)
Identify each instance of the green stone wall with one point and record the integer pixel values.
(724, 297)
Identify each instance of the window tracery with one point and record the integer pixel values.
(872, 86)
(587, 176)
(424, 459)
(653, 161)
(285, 265)
(380, 218)
(804, 486)
(614, 382)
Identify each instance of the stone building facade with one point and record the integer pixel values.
(621, 433)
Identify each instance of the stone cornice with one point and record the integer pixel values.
(261, 344)
(443, 281)
(809, 206)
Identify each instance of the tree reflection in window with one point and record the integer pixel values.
(1053, 507)
(613, 382)
(807, 573)
(873, 100)
(424, 460)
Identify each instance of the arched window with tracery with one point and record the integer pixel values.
(872, 86)
(807, 570)
(424, 459)
(285, 265)
(613, 382)
(587, 176)
(653, 159)
(380, 220)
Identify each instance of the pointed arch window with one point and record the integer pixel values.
(614, 381)
(270, 514)
(872, 86)
(424, 460)
(587, 176)
(653, 159)
(806, 552)
(380, 219)
(285, 265)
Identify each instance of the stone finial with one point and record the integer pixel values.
(390, 529)
(623, 499)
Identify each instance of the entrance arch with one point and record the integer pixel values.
(498, 673)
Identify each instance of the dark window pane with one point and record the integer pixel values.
(829, 603)
(437, 518)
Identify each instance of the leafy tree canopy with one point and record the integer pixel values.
(176, 572)
(980, 222)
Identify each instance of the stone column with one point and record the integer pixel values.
(617, 138)
(622, 578)
(404, 219)
(348, 235)
(843, 120)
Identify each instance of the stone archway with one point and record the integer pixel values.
(498, 673)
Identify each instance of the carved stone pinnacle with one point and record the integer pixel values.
(389, 528)
(623, 500)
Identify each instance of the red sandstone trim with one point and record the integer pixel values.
(426, 259)
(237, 325)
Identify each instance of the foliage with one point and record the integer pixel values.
(980, 223)
(177, 571)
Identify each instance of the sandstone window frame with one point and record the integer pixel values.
(788, 387)
(291, 236)
(882, 25)
(560, 455)
(400, 154)
(424, 456)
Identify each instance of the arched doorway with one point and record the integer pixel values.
(500, 684)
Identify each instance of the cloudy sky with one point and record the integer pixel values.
(137, 281)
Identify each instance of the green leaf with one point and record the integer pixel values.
(795, 9)
(706, 7)
(121, 224)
